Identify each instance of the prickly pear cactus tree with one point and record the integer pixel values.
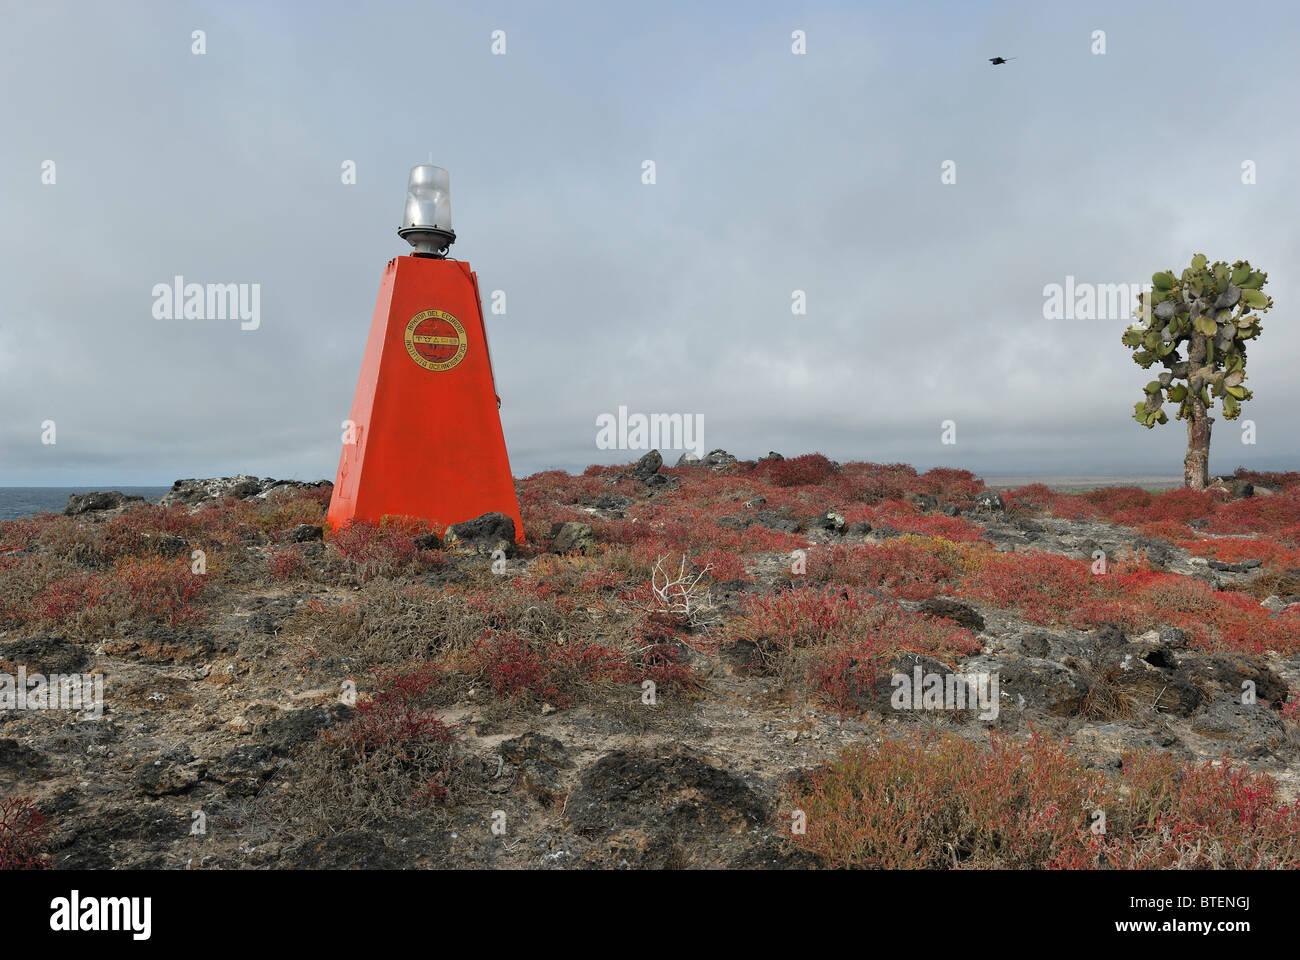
(1196, 326)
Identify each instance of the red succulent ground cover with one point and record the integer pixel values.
(23, 835)
(1049, 589)
(909, 568)
(151, 588)
(560, 630)
(846, 636)
(392, 717)
(387, 548)
(1052, 589)
(1265, 526)
(114, 568)
(935, 802)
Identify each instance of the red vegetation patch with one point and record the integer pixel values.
(792, 619)
(287, 564)
(1190, 815)
(722, 565)
(1111, 499)
(1286, 481)
(1291, 709)
(543, 494)
(811, 468)
(654, 530)
(161, 589)
(1236, 549)
(1170, 530)
(874, 482)
(62, 597)
(558, 671)
(844, 673)
(1179, 506)
(943, 802)
(903, 567)
(657, 655)
(947, 484)
(394, 735)
(844, 636)
(149, 587)
(1037, 497)
(1043, 587)
(381, 550)
(1130, 506)
(685, 519)
(521, 667)
(1259, 514)
(957, 529)
(1216, 620)
(391, 718)
(22, 533)
(23, 835)
(1050, 589)
(1169, 513)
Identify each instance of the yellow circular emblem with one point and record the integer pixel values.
(436, 340)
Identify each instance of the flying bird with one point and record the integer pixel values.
(999, 60)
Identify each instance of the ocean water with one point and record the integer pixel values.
(18, 502)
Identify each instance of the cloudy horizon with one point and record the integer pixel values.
(776, 174)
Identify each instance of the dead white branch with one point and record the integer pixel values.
(682, 593)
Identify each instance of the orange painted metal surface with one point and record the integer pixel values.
(426, 435)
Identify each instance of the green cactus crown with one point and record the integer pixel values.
(1212, 308)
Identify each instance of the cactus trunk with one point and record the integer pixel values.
(1196, 465)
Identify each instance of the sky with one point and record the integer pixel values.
(774, 172)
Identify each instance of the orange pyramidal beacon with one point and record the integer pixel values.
(424, 438)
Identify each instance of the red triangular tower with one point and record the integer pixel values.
(424, 438)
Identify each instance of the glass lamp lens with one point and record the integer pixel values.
(428, 198)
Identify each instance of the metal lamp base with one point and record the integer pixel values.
(428, 241)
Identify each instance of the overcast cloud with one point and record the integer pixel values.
(775, 173)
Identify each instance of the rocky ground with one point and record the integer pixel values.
(230, 736)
